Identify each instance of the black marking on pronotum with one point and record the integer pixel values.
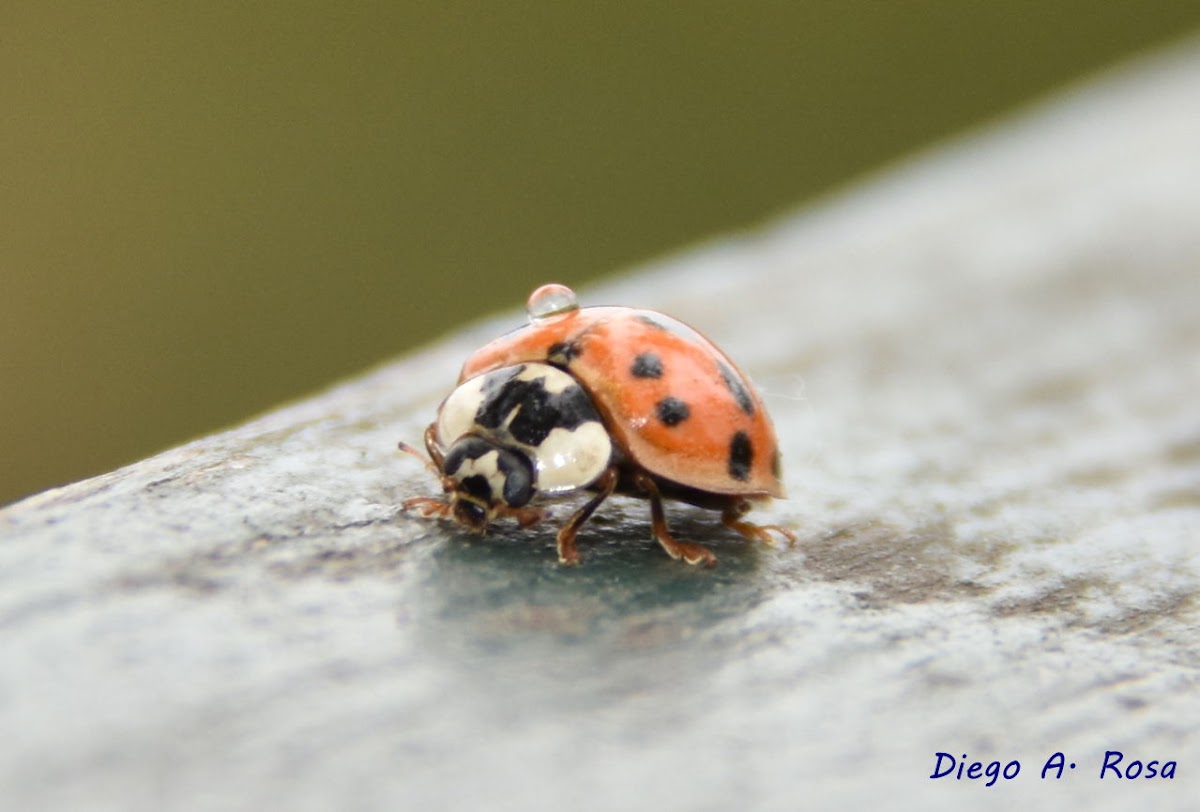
(647, 365)
(515, 469)
(737, 387)
(672, 411)
(465, 448)
(476, 485)
(538, 412)
(562, 353)
(499, 378)
(741, 456)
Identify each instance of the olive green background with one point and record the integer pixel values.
(209, 208)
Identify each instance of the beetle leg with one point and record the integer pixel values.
(567, 554)
(436, 458)
(526, 516)
(731, 517)
(431, 446)
(691, 553)
(434, 461)
(427, 506)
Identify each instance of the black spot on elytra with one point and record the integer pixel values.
(538, 412)
(647, 365)
(741, 456)
(777, 465)
(562, 353)
(672, 411)
(649, 322)
(737, 387)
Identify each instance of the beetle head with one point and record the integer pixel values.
(482, 478)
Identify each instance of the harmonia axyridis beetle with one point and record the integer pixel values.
(606, 400)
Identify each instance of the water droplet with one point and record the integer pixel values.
(551, 300)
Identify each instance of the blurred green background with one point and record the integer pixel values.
(209, 208)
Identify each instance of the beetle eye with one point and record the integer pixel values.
(470, 514)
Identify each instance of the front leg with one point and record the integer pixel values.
(433, 448)
(427, 506)
(567, 553)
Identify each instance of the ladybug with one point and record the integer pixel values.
(604, 400)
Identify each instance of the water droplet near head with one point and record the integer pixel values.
(550, 301)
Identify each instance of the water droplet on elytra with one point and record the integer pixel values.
(551, 300)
